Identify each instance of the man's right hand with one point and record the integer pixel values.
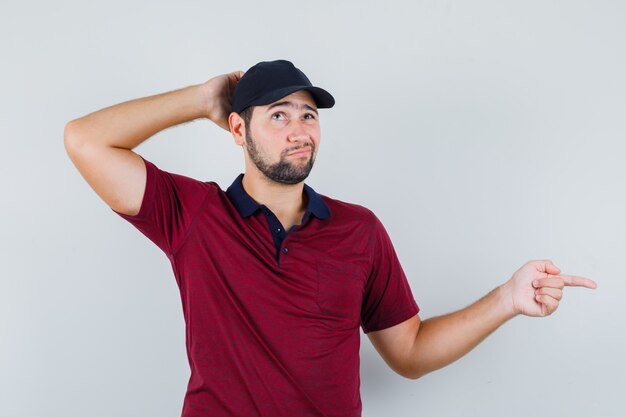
(100, 144)
(217, 95)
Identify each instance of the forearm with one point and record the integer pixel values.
(444, 339)
(128, 124)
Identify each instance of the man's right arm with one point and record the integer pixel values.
(100, 144)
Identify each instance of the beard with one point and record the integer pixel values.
(283, 171)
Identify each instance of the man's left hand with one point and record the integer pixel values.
(536, 288)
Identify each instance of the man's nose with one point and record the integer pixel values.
(298, 131)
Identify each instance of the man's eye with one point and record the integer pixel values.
(309, 116)
(278, 116)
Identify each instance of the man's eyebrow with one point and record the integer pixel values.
(291, 104)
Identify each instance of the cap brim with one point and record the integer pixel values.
(323, 99)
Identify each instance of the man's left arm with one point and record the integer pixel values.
(414, 348)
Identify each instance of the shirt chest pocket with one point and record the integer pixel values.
(340, 294)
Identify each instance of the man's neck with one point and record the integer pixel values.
(287, 201)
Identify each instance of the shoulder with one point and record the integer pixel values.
(181, 182)
(350, 212)
(170, 191)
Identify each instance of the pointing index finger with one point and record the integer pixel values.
(575, 281)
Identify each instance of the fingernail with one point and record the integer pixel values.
(535, 283)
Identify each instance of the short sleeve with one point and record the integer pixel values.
(388, 299)
(168, 206)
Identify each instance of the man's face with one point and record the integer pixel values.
(283, 137)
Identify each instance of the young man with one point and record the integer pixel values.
(275, 279)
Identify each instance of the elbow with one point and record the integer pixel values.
(412, 374)
(410, 370)
(412, 377)
(71, 137)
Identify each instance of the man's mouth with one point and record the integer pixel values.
(301, 151)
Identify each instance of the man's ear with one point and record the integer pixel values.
(237, 128)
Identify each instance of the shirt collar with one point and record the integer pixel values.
(246, 206)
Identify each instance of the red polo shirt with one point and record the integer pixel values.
(272, 324)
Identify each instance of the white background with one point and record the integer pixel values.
(483, 134)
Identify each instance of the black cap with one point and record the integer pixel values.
(269, 81)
